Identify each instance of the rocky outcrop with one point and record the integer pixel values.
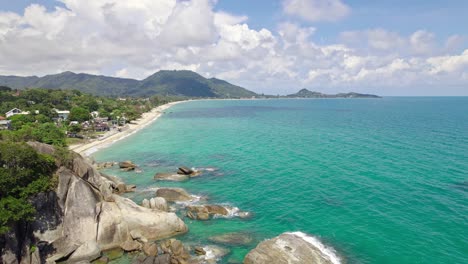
(174, 194)
(84, 216)
(291, 248)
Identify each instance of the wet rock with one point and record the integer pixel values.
(245, 215)
(199, 251)
(185, 170)
(148, 260)
(163, 259)
(203, 216)
(204, 212)
(171, 177)
(130, 245)
(173, 194)
(209, 254)
(235, 238)
(176, 250)
(290, 248)
(150, 249)
(127, 164)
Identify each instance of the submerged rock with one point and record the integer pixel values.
(114, 253)
(171, 177)
(209, 254)
(234, 238)
(173, 194)
(126, 164)
(291, 248)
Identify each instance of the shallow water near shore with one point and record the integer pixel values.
(379, 180)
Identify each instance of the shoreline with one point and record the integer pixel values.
(88, 148)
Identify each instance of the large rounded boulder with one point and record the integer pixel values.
(292, 248)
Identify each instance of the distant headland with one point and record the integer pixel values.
(180, 83)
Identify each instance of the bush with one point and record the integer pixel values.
(23, 173)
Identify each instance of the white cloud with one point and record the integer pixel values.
(422, 42)
(316, 10)
(133, 39)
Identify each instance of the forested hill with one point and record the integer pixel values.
(170, 83)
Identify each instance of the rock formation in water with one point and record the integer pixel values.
(82, 217)
(291, 248)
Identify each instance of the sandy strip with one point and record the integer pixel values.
(86, 149)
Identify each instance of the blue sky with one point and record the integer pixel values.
(386, 47)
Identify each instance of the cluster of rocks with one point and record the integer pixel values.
(183, 174)
(106, 165)
(208, 211)
(83, 217)
(172, 251)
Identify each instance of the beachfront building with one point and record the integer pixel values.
(62, 114)
(5, 124)
(15, 111)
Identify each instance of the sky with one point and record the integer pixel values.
(394, 47)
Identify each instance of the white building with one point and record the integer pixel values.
(15, 111)
(62, 114)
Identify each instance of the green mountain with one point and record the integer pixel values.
(175, 83)
(304, 93)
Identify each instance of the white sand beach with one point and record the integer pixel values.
(87, 148)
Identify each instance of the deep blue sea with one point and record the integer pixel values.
(379, 180)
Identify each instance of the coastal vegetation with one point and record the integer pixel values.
(23, 173)
(40, 120)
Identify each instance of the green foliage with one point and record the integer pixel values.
(17, 121)
(79, 114)
(23, 172)
(47, 133)
(74, 128)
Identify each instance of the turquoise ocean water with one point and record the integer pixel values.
(379, 180)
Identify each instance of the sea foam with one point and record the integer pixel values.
(328, 252)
